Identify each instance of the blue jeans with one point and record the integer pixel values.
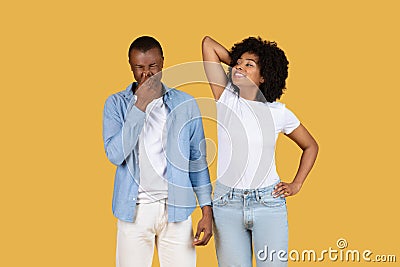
(247, 219)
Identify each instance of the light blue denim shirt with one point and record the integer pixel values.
(187, 170)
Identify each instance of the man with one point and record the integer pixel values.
(154, 135)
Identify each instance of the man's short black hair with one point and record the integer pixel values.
(145, 43)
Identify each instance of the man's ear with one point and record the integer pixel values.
(162, 62)
(130, 65)
(262, 80)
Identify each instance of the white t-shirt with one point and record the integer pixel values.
(247, 134)
(153, 184)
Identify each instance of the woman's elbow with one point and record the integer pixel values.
(315, 147)
(205, 40)
(207, 45)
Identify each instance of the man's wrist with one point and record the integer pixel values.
(206, 211)
(141, 105)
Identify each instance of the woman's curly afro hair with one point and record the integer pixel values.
(272, 62)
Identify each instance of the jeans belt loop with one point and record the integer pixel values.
(231, 194)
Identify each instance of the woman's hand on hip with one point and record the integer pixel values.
(286, 189)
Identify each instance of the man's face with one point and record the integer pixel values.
(146, 64)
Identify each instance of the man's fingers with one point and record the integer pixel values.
(207, 237)
(198, 233)
(143, 79)
(147, 83)
(200, 242)
(204, 240)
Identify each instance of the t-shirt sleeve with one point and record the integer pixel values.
(227, 95)
(291, 122)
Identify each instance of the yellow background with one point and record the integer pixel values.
(60, 60)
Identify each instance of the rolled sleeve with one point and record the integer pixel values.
(119, 136)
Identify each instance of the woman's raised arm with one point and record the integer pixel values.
(213, 55)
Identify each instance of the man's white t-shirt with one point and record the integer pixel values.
(153, 184)
(247, 134)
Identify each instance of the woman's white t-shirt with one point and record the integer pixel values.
(247, 134)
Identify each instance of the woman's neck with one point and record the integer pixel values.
(249, 93)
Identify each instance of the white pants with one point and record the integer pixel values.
(135, 241)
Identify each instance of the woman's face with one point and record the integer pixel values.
(246, 72)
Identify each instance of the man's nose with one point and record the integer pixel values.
(147, 72)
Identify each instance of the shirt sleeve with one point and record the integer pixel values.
(120, 137)
(291, 122)
(198, 166)
(227, 94)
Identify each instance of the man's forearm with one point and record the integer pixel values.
(206, 211)
(120, 142)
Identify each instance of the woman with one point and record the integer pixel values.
(249, 198)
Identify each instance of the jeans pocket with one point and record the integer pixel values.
(221, 200)
(272, 202)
